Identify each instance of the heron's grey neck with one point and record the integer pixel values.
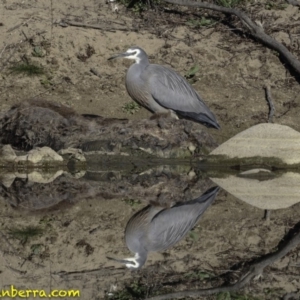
(142, 61)
(134, 72)
(141, 258)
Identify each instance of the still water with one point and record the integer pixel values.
(60, 229)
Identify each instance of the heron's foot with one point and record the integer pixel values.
(165, 115)
(164, 119)
(163, 200)
(158, 203)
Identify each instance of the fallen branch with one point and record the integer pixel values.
(254, 29)
(254, 269)
(270, 102)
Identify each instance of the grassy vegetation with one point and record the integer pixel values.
(191, 72)
(131, 107)
(25, 233)
(132, 202)
(27, 69)
(275, 5)
(38, 52)
(194, 236)
(201, 275)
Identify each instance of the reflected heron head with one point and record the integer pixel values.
(133, 263)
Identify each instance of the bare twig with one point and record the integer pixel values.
(254, 29)
(254, 269)
(65, 23)
(3, 50)
(19, 25)
(270, 102)
(16, 270)
(95, 72)
(95, 272)
(51, 8)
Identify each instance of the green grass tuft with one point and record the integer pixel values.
(23, 234)
(131, 107)
(27, 69)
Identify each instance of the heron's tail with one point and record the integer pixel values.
(207, 120)
(208, 197)
(209, 194)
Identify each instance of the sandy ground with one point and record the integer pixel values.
(232, 72)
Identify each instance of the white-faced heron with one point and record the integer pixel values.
(161, 90)
(156, 229)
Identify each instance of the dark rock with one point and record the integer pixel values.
(39, 123)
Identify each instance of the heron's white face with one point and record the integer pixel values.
(133, 53)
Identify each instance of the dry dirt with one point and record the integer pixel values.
(232, 72)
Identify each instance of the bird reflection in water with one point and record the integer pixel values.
(156, 228)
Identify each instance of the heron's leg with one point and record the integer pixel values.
(157, 203)
(164, 114)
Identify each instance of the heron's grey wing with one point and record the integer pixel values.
(135, 231)
(172, 91)
(171, 225)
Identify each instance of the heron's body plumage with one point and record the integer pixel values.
(161, 90)
(156, 229)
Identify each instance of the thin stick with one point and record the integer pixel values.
(270, 102)
(3, 50)
(63, 23)
(19, 25)
(51, 8)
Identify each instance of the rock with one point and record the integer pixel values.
(7, 153)
(264, 141)
(72, 153)
(7, 179)
(40, 156)
(42, 177)
(265, 192)
(41, 123)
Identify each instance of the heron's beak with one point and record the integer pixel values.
(118, 55)
(122, 261)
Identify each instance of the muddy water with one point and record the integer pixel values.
(59, 234)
